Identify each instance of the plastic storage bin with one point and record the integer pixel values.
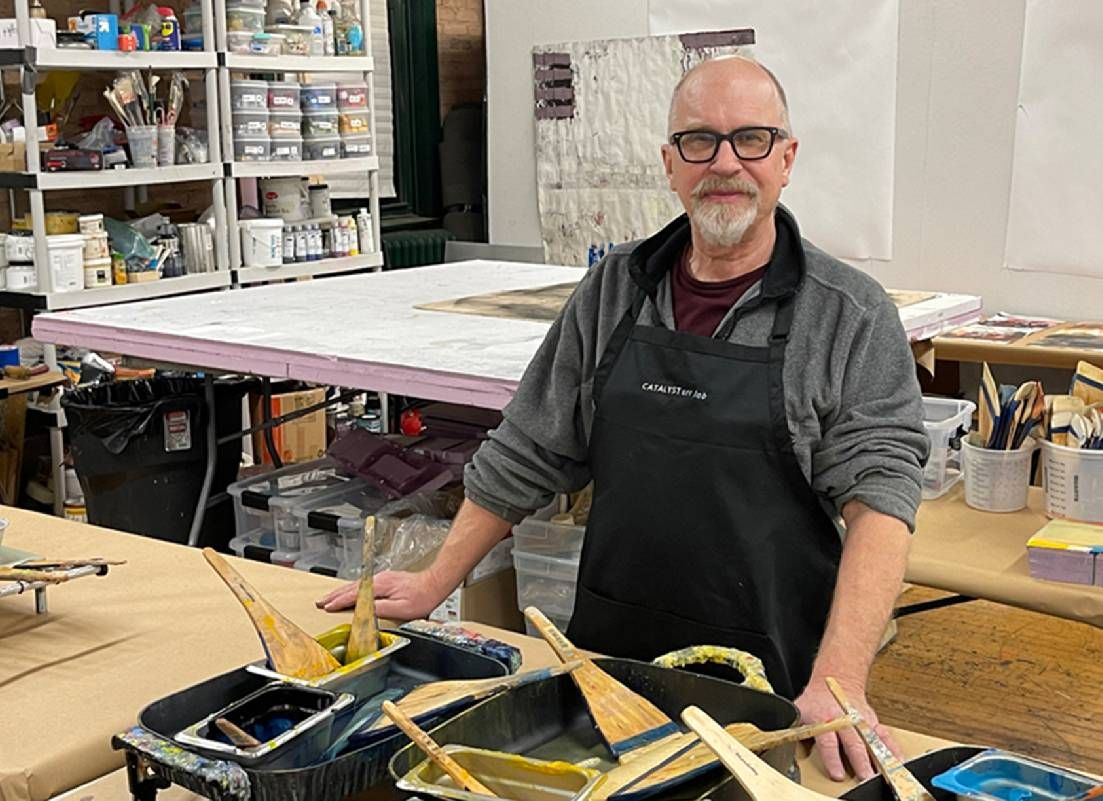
(283, 95)
(355, 146)
(546, 583)
(341, 516)
(320, 123)
(946, 421)
(242, 17)
(319, 96)
(352, 95)
(249, 95)
(296, 38)
(1073, 481)
(254, 522)
(250, 124)
(321, 147)
(287, 150)
(284, 124)
(537, 535)
(298, 537)
(256, 148)
(353, 122)
(239, 41)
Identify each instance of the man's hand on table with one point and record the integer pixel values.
(398, 595)
(817, 705)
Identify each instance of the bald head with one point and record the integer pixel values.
(701, 78)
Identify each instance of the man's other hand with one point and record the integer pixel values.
(398, 596)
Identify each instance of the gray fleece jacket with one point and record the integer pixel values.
(852, 400)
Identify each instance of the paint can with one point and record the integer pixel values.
(319, 201)
(19, 248)
(96, 247)
(97, 273)
(287, 198)
(262, 243)
(197, 243)
(91, 224)
(22, 278)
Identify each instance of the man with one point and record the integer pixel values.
(731, 391)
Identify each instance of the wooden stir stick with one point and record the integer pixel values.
(903, 783)
(427, 744)
(364, 633)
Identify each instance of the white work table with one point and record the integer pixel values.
(364, 331)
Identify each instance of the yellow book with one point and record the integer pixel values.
(1064, 535)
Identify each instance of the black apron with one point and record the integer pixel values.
(703, 529)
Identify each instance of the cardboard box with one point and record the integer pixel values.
(298, 440)
(491, 600)
(13, 157)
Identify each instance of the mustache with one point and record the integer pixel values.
(716, 184)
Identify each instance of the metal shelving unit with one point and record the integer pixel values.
(294, 67)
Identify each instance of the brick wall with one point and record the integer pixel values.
(461, 52)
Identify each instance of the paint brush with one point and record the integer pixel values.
(695, 757)
(432, 750)
(291, 651)
(625, 718)
(761, 781)
(236, 735)
(441, 697)
(897, 776)
(364, 634)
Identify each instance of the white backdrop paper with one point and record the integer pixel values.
(1056, 206)
(837, 62)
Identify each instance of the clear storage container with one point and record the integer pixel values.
(319, 123)
(537, 535)
(353, 122)
(285, 124)
(321, 147)
(352, 95)
(256, 148)
(296, 38)
(249, 95)
(250, 124)
(546, 583)
(239, 41)
(342, 515)
(319, 96)
(355, 146)
(283, 95)
(242, 17)
(287, 150)
(253, 516)
(946, 421)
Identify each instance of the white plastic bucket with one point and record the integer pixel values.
(22, 279)
(996, 481)
(262, 243)
(1073, 480)
(285, 197)
(96, 247)
(66, 257)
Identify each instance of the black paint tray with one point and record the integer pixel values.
(549, 720)
(154, 761)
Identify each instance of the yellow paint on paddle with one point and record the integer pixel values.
(754, 673)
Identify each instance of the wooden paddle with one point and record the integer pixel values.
(761, 781)
(236, 735)
(897, 776)
(427, 744)
(696, 756)
(291, 650)
(364, 633)
(625, 719)
(45, 576)
(438, 697)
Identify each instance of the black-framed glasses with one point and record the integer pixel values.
(750, 144)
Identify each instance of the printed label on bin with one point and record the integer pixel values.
(177, 431)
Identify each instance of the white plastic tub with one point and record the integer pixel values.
(996, 481)
(1073, 480)
(97, 273)
(66, 255)
(262, 242)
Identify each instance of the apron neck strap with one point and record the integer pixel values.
(783, 321)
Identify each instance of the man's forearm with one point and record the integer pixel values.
(474, 532)
(870, 576)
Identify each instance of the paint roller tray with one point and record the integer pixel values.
(397, 471)
(1000, 776)
(421, 661)
(549, 720)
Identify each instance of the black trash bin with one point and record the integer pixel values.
(140, 452)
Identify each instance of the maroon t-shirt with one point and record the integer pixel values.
(699, 306)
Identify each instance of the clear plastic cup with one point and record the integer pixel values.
(996, 481)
